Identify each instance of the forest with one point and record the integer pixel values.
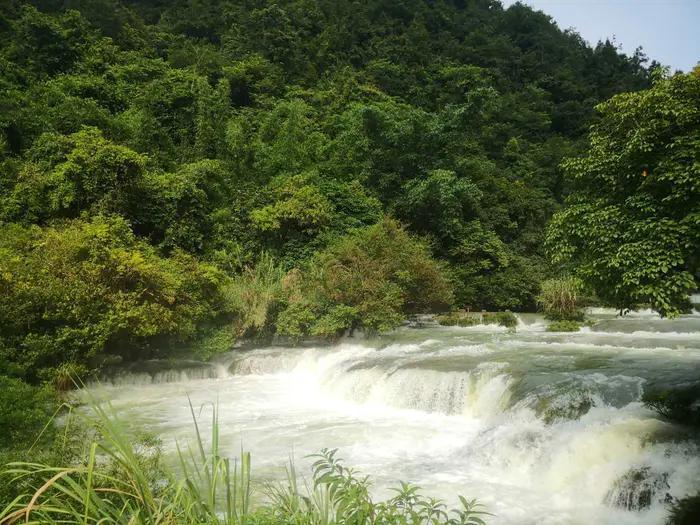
(179, 176)
(171, 170)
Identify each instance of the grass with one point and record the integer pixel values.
(564, 326)
(560, 299)
(457, 319)
(507, 319)
(115, 481)
(254, 294)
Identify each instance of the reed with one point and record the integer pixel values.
(559, 299)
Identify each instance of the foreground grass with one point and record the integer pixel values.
(116, 481)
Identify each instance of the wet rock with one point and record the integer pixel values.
(567, 407)
(638, 489)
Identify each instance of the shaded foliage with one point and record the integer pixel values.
(24, 411)
(685, 511)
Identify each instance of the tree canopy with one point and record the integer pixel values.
(631, 228)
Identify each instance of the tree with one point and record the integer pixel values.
(631, 228)
(84, 290)
(369, 279)
(66, 175)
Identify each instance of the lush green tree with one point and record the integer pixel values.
(296, 202)
(67, 175)
(631, 228)
(82, 292)
(370, 279)
(440, 204)
(188, 209)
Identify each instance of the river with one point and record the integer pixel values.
(542, 428)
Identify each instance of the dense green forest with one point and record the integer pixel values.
(179, 174)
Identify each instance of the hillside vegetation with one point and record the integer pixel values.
(181, 173)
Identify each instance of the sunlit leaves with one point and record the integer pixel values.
(630, 230)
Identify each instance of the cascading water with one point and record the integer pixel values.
(543, 428)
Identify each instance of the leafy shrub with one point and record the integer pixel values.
(335, 321)
(214, 341)
(370, 279)
(384, 260)
(564, 326)
(507, 319)
(24, 411)
(680, 405)
(559, 299)
(82, 290)
(296, 319)
(457, 319)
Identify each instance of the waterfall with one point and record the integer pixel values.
(541, 427)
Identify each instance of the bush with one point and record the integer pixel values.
(24, 411)
(80, 291)
(457, 319)
(336, 321)
(371, 279)
(564, 326)
(559, 299)
(213, 342)
(296, 319)
(507, 319)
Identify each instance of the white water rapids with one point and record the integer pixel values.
(542, 428)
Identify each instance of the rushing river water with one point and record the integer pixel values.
(543, 428)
